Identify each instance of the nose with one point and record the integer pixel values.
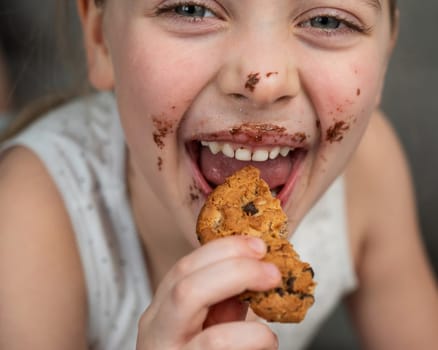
(260, 71)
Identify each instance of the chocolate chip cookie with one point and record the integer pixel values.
(244, 205)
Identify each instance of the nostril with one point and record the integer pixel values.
(237, 96)
(284, 99)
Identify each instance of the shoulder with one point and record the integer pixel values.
(84, 119)
(395, 278)
(40, 269)
(81, 143)
(380, 193)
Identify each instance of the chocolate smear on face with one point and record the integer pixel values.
(160, 163)
(162, 129)
(194, 197)
(336, 132)
(269, 74)
(194, 193)
(256, 132)
(299, 137)
(252, 81)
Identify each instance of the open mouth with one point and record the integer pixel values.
(214, 161)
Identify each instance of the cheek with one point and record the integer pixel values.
(154, 86)
(342, 91)
(158, 75)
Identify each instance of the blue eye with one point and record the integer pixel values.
(335, 24)
(191, 16)
(325, 22)
(194, 11)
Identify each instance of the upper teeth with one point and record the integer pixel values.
(246, 154)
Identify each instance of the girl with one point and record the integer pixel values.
(100, 197)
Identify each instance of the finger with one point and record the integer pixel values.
(226, 311)
(178, 320)
(192, 296)
(236, 336)
(214, 251)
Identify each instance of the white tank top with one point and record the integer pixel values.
(82, 146)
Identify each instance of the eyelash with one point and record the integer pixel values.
(170, 10)
(350, 26)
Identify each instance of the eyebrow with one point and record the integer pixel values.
(374, 3)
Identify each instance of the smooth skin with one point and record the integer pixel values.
(43, 297)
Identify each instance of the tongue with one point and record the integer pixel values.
(216, 168)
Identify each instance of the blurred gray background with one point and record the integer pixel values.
(30, 38)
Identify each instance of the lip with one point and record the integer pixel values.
(289, 186)
(257, 138)
(253, 138)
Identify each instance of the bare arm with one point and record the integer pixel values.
(396, 306)
(42, 292)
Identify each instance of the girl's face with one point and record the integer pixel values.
(205, 87)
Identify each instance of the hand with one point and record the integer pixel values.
(195, 306)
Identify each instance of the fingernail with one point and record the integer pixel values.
(257, 245)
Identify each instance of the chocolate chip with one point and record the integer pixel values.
(303, 296)
(309, 269)
(290, 284)
(247, 300)
(250, 209)
(279, 291)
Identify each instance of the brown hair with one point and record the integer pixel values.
(69, 55)
(38, 108)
